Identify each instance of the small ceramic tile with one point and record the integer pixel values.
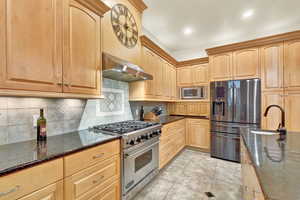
(18, 116)
(54, 114)
(17, 103)
(3, 103)
(73, 113)
(3, 118)
(19, 133)
(55, 128)
(3, 134)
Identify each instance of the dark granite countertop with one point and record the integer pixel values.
(191, 116)
(277, 163)
(21, 155)
(166, 119)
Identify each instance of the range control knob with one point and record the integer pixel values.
(131, 142)
(138, 140)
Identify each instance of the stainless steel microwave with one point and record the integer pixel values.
(193, 92)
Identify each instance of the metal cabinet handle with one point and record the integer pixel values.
(98, 156)
(16, 188)
(96, 181)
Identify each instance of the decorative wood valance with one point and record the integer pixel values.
(96, 6)
(139, 5)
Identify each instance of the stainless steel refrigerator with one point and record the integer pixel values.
(235, 107)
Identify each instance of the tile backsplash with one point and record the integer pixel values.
(67, 115)
(63, 115)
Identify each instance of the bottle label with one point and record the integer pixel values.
(43, 130)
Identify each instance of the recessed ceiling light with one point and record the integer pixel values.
(187, 31)
(248, 14)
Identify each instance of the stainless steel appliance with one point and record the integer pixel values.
(118, 69)
(140, 145)
(235, 105)
(193, 92)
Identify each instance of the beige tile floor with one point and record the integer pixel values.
(190, 175)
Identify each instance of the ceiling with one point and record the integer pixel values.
(215, 22)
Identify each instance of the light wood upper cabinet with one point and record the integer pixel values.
(292, 65)
(173, 83)
(148, 65)
(273, 119)
(184, 76)
(292, 108)
(246, 64)
(82, 52)
(31, 45)
(200, 74)
(198, 133)
(271, 62)
(220, 67)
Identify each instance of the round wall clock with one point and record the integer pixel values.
(124, 25)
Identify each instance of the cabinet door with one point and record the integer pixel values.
(198, 133)
(51, 192)
(184, 76)
(292, 65)
(273, 119)
(159, 67)
(200, 74)
(221, 67)
(148, 65)
(292, 108)
(173, 83)
(82, 52)
(31, 45)
(166, 81)
(246, 64)
(271, 60)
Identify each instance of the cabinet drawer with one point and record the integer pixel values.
(169, 129)
(94, 178)
(112, 192)
(29, 180)
(51, 192)
(81, 160)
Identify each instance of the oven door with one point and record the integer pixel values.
(139, 163)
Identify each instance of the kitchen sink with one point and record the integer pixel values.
(265, 132)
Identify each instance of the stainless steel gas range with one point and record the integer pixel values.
(140, 145)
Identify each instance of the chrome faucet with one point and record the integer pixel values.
(281, 128)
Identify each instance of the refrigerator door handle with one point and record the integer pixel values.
(223, 108)
(213, 107)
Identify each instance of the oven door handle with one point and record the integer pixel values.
(148, 147)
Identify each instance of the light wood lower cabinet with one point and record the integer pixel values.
(292, 109)
(26, 181)
(251, 189)
(198, 133)
(51, 192)
(92, 174)
(172, 141)
(189, 108)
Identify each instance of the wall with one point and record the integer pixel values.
(63, 115)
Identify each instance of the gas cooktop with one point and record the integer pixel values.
(125, 126)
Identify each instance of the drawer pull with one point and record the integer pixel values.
(10, 191)
(98, 156)
(96, 181)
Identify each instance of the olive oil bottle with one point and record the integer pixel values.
(41, 127)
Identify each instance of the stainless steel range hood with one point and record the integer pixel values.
(118, 69)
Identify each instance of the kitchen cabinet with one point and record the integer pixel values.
(200, 74)
(31, 47)
(246, 64)
(192, 75)
(51, 192)
(251, 188)
(17, 185)
(221, 67)
(172, 141)
(163, 85)
(189, 108)
(198, 133)
(273, 119)
(292, 65)
(184, 76)
(292, 108)
(271, 62)
(82, 52)
(51, 48)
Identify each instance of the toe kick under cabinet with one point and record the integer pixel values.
(91, 174)
(172, 141)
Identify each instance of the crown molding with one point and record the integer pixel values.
(139, 5)
(254, 43)
(95, 5)
(146, 42)
(192, 62)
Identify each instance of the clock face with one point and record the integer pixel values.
(124, 25)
